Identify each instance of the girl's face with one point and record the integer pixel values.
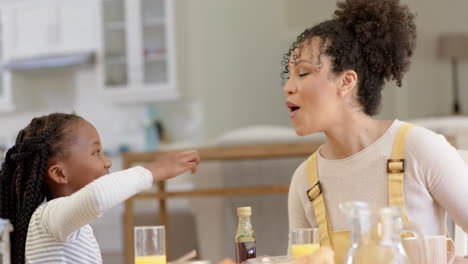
(311, 90)
(86, 160)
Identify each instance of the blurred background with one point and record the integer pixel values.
(159, 74)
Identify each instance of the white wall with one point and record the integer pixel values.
(228, 58)
(230, 53)
(429, 81)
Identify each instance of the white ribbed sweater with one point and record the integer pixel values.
(435, 182)
(59, 230)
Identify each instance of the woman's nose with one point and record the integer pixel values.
(289, 87)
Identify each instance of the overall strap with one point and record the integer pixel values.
(396, 168)
(316, 197)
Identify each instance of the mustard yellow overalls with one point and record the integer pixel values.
(339, 240)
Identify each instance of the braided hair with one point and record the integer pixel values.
(22, 176)
(374, 38)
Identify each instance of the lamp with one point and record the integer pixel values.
(455, 48)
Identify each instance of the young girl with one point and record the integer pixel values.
(336, 72)
(51, 188)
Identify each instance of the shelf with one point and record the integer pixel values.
(150, 22)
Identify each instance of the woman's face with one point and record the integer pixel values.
(311, 90)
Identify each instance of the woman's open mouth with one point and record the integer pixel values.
(293, 109)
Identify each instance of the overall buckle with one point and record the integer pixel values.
(396, 165)
(314, 191)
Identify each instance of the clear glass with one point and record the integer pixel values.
(376, 234)
(150, 245)
(154, 51)
(115, 48)
(303, 241)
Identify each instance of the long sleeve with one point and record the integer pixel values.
(62, 216)
(296, 209)
(444, 173)
(435, 182)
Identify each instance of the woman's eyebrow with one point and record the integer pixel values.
(301, 61)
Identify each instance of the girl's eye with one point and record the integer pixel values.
(303, 74)
(97, 153)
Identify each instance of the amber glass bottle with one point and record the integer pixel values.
(245, 236)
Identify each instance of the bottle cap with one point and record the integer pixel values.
(244, 211)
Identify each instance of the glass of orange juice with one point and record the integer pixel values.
(303, 241)
(150, 245)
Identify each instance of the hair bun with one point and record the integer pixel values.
(385, 31)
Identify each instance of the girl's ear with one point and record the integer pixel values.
(57, 174)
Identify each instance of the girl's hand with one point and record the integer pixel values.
(173, 163)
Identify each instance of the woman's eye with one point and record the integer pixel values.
(303, 74)
(97, 153)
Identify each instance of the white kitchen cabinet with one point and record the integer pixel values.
(6, 102)
(79, 25)
(50, 27)
(138, 54)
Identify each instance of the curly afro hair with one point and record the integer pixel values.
(374, 38)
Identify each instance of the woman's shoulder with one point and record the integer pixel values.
(301, 169)
(299, 176)
(427, 146)
(420, 138)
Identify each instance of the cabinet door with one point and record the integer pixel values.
(35, 28)
(158, 47)
(139, 49)
(154, 46)
(5, 76)
(48, 27)
(115, 57)
(78, 25)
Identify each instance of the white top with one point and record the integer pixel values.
(59, 230)
(435, 182)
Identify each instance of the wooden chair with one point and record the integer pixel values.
(259, 151)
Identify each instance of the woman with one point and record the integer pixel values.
(335, 74)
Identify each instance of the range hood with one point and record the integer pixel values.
(52, 61)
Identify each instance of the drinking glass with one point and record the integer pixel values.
(304, 241)
(150, 245)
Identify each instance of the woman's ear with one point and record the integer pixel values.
(56, 173)
(348, 83)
